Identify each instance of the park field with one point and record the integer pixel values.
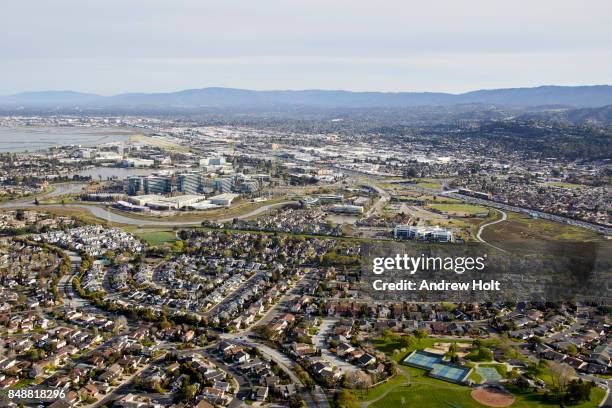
(155, 237)
(427, 392)
(420, 392)
(412, 387)
(428, 183)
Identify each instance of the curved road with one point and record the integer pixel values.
(482, 227)
(316, 400)
(105, 214)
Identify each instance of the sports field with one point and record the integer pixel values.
(449, 372)
(493, 397)
(489, 373)
(423, 359)
(437, 367)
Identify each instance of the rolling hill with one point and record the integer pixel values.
(568, 96)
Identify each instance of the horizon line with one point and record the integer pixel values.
(302, 90)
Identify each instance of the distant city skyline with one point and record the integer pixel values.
(115, 47)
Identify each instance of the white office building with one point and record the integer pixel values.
(423, 233)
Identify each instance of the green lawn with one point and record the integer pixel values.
(438, 199)
(375, 392)
(571, 186)
(474, 376)
(424, 182)
(430, 184)
(469, 209)
(23, 383)
(530, 399)
(156, 238)
(426, 396)
(429, 392)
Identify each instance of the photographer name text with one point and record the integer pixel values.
(443, 285)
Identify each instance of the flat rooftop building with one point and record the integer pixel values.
(346, 209)
(166, 203)
(423, 233)
(331, 198)
(224, 199)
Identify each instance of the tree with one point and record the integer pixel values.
(533, 370)
(485, 354)
(560, 375)
(345, 399)
(120, 324)
(452, 353)
(535, 341)
(187, 391)
(111, 256)
(358, 379)
(579, 391)
(178, 246)
(522, 383)
(420, 334)
(410, 172)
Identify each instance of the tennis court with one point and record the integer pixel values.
(437, 367)
(489, 373)
(449, 372)
(423, 359)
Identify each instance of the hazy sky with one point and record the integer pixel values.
(115, 46)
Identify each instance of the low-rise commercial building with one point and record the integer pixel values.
(223, 199)
(423, 233)
(346, 209)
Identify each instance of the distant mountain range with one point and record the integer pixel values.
(562, 96)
